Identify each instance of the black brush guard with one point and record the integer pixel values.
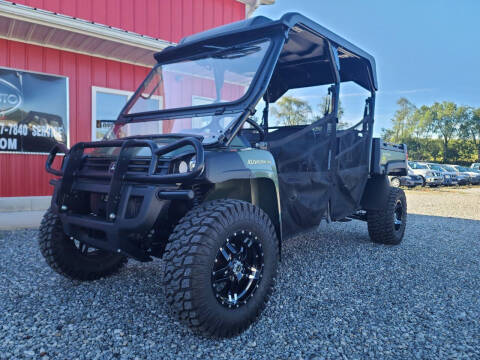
(116, 232)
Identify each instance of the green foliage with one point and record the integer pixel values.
(443, 131)
(325, 107)
(292, 111)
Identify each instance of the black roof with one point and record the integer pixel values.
(355, 64)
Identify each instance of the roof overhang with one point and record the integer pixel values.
(48, 29)
(252, 5)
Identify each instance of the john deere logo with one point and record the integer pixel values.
(10, 98)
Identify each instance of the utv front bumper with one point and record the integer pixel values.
(121, 233)
(116, 211)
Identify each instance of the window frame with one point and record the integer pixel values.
(112, 91)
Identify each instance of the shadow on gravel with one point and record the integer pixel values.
(338, 295)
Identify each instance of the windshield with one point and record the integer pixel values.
(450, 168)
(437, 167)
(417, 166)
(209, 127)
(220, 75)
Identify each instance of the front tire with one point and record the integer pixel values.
(71, 258)
(387, 225)
(220, 266)
(424, 182)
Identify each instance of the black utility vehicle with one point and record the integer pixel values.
(213, 190)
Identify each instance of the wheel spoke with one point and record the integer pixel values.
(221, 272)
(225, 254)
(83, 248)
(231, 248)
(255, 274)
(222, 279)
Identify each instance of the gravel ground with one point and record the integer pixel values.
(338, 296)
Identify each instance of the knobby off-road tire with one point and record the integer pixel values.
(387, 225)
(70, 258)
(193, 253)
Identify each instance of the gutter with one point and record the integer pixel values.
(79, 26)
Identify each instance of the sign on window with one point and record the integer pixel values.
(33, 111)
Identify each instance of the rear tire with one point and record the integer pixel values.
(71, 258)
(199, 253)
(387, 225)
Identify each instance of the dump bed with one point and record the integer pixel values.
(388, 158)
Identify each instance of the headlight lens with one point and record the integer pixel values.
(193, 162)
(182, 167)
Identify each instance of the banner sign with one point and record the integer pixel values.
(33, 111)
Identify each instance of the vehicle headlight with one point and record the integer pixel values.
(182, 167)
(193, 162)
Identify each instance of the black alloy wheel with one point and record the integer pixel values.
(398, 215)
(395, 182)
(237, 269)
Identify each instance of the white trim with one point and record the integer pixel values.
(81, 52)
(64, 22)
(143, 46)
(104, 90)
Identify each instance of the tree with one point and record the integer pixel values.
(446, 118)
(470, 129)
(402, 122)
(324, 107)
(292, 111)
(420, 123)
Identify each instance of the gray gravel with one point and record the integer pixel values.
(338, 295)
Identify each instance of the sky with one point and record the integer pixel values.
(425, 50)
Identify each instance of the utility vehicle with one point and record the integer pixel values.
(188, 174)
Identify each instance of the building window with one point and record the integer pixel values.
(199, 122)
(107, 104)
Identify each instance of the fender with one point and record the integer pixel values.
(246, 174)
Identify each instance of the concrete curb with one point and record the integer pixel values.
(26, 203)
(20, 220)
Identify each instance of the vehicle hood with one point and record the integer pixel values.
(142, 151)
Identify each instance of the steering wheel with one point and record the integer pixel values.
(257, 127)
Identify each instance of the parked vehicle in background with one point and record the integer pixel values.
(429, 177)
(411, 180)
(462, 178)
(474, 177)
(475, 166)
(449, 178)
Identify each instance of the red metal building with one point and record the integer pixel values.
(100, 50)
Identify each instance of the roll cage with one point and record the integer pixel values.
(299, 46)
